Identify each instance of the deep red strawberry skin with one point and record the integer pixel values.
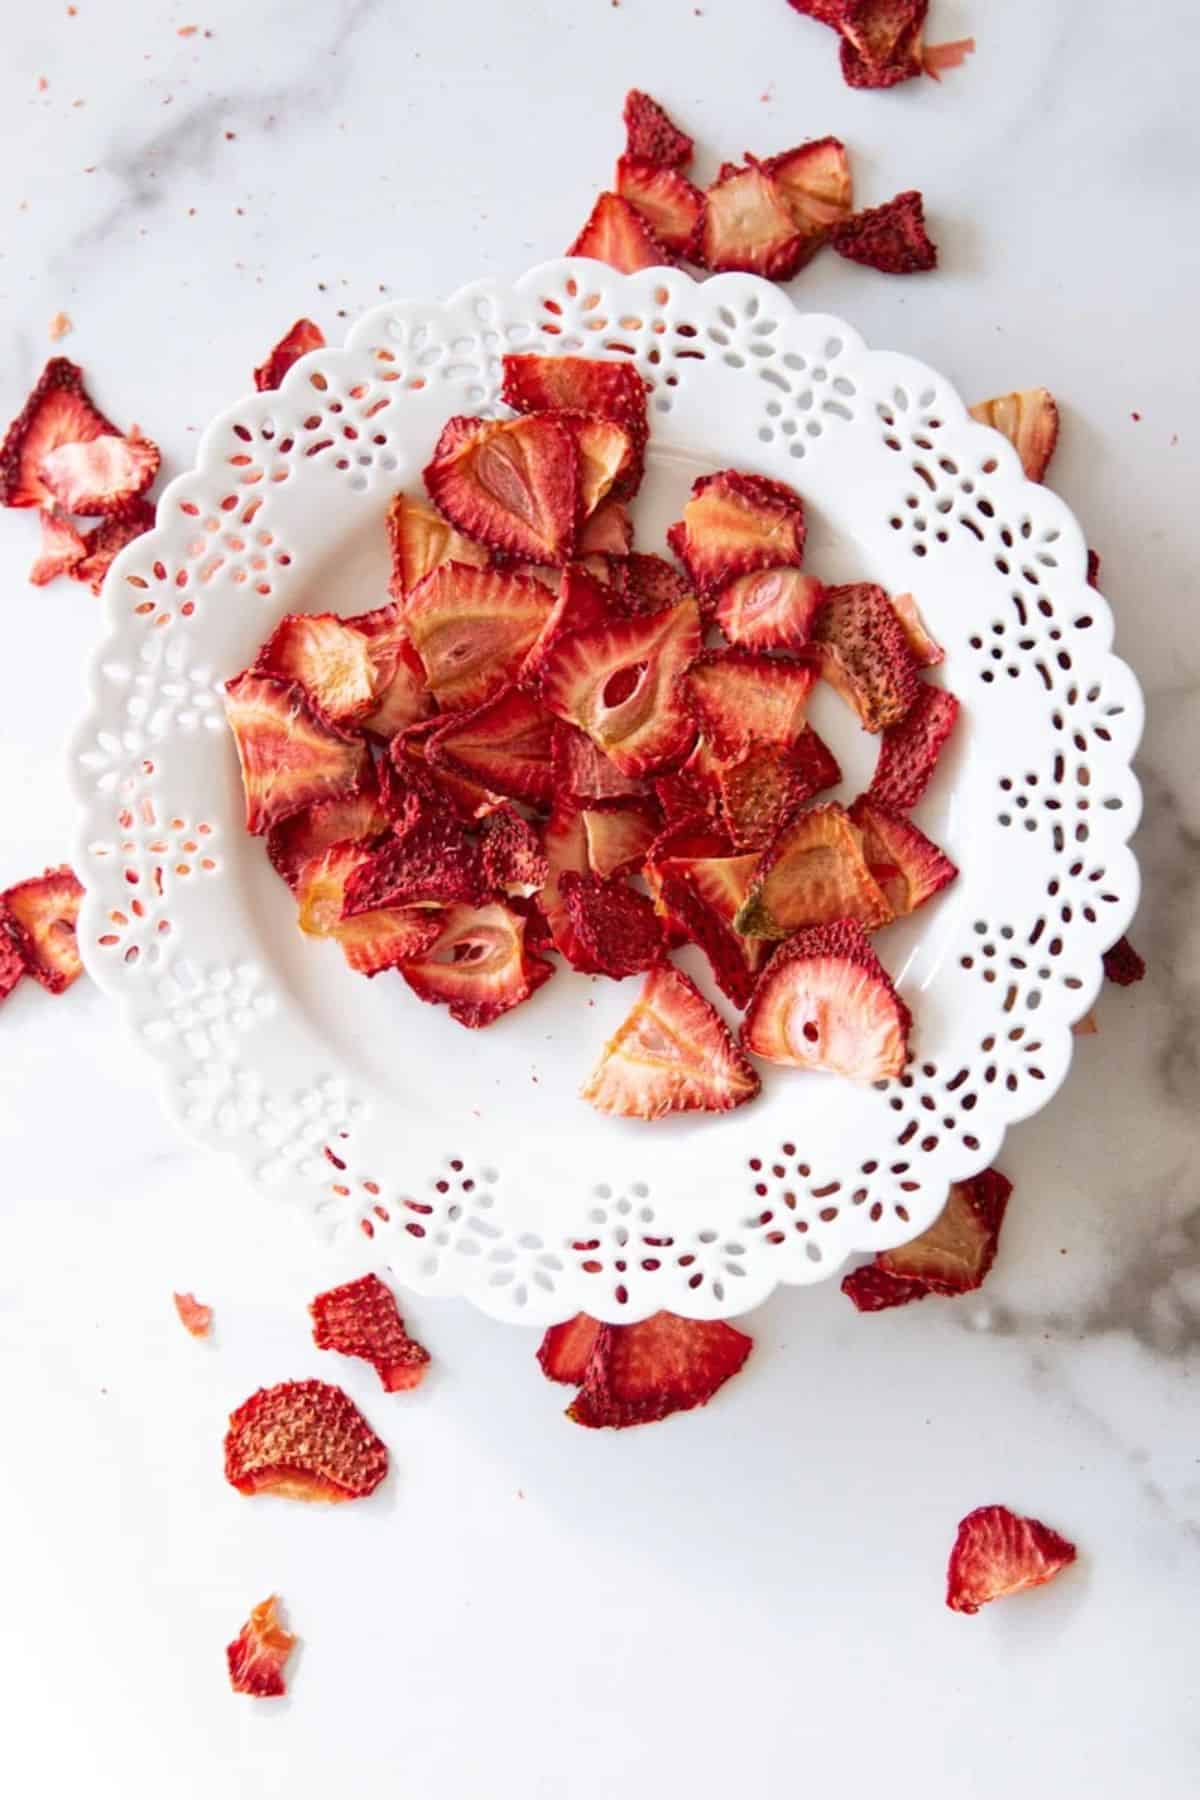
(638, 1374)
(997, 1552)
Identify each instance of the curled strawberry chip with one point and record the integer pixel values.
(748, 224)
(305, 1440)
(825, 1001)
(891, 238)
(479, 965)
(101, 476)
(927, 652)
(861, 649)
(673, 1053)
(566, 1349)
(813, 874)
(38, 918)
(613, 930)
(421, 541)
(431, 861)
(473, 629)
(617, 234)
(296, 342)
(1029, 420)
(328, 657)
(666, 200)
(356, 819)
(702, 896)
(814, 179)
(582, 771)
(638, 1374)
(909, 868)
(599, 386)
(909, 751)
(619, 833)
(400, 693)
(760, 790)
(290, 754)
(740, 698)
(505, 746)
(937, 57)
(952, 1257)
(105, 541)
(513, 486)
(997, 1552)
(881, 41)
(620, 684)
(1123, 965)
(258, 1654)
(58, 412)
(514, 859)
(652, 136)
(735, 523)
(195, 1319)
(361, 1318)
(769, 609)
(608, 532)
(62, 549)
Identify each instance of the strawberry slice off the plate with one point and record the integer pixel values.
(620, 684)
(421, 541)
(1123, 965)
(59, 411)
(739, 698)
(997, 1552)
(290, 755)
(566, 1349)
(479, 966)
(814, 180)
(195, 1318)
(473, 628)
(304, 1440)
(908, 867)
(673, 1053)
(612, 929)
(328, 657)
(361, 1318)
(909, 751)
(296, 342)
(769, 609)
(952, 1257)
(736, 523)
(666, 199)
(825, 1001)
(891, 238)
(513, 486)
(616, 233)
(748, 224)
(101, 476)
(259, 1653)
(813, 874)
(881, 41)
(62, 549)
(651, 135)
(638, 1374)
(1029, 420)
(505, 745)
(861, 649)
(38, 918)
(106, 540)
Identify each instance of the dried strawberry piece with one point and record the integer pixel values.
(936, 57)
(289, 753)
(584, 772)
(513, 486)
(306, 1440)
(1093, 568)
(101, 476)
(12, 963)
(295, 840)
(565, 843)
(748, 224)
(432, 862)
(259, 1652)
(330, 660)
(651, 135)
(688, 837)
(695, 787)
(62, 549)
(702, 896)
(761, 790)
(401, 695)
(825, 1001)
(667, 200)
(881, 41)
(814, 179)
(504, 746)
(59, 411)
(614, 930)
(421, 541)
(908, 867)
(638, 1374)
(600, 386)
(515, 863)
(1087, 1026)
(927, 652)
(459, 430)
(406, 758)
(952, 1257)
(769, 609)
(374, 941)
(735, 523)
(739, 698)
(105, 541)
(813, 874)
(194, 1318)
(479, 966)
(361, 1318)
(566, 1349)
(672, 1054)
(909, 751)
(998, 1552)
(582, 604)
(296, 342)
(620, 684)
(651, 583)
(1123, 965)
(1029, 420)
(608, 532)
(606, 455)
(891, 238)
(39, 916)
(825, 12)
(872, 1289)
(616, 233)
(473, 628)
(619, 834)
(859, 646)
(321, 887)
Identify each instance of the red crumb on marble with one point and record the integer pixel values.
(187, 31)
(60, 324)
(1136, 417)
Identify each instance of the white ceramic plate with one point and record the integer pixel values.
(468, 1156)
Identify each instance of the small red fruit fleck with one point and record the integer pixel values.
(259, 1652)
(194, 1317)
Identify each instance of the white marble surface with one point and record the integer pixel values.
(747, 1599)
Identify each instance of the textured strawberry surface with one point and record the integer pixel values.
(997, 1552)
(305, 1440)
(361, 1318)
(258, 1654)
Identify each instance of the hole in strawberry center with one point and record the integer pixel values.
(622, 684)
(471, 952)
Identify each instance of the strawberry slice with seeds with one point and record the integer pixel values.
(739, 698)
(504, 745)
(1029, 420)
(514, 859)
(433, 862)
(374, 941)
(597, 386)
(356, 819)
(769, 609)
(606, 453)
(638, 1374)
(927, 652)
(958, 1250)
(620, 684)
(321, 887)
(825, 1001)
(513, 486)
(406, 759)
(565, 842)
(651, 135)
(195, 1319)
(908, 867)
(761, 790)
(814, 179)
(566, 1349)
(582, 604)
(328, 657)
(909, 751)
(305, 1440)
(619, 834)
(101, 476)
(608, 532)
(651, 583)
(673, 1053)
(735, 523)
(666, 199)
(748, 224)
(702, 896)
(891, 238)
(616, 233)
(694, 788)
(473, 628)
(400, 696)
(881, 41)
(62, 549)
(859, 646)
(421, 541)
(813, 874)
(290, 754)
(998, 1552)
(1123, 965)
(258, 1654)
(297, 341)
(613, 930)
(59, 411)
(584, 772)
(105, 541)
(479, 966)
(825, 12)
(39, 917)
(361, 1318)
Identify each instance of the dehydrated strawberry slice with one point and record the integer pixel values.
(105, 541)
(761, 790)
(881, 41)
(860, 648)
(739, 698)
(514, 859)
(356, 819)
(769, 609)
(694, 788)
(814, 180)
(374, 941)
(582, 605)
(421, 541)
(936, 57)
(101, 476)
(609, 532)
(513, 486)
(459, 430)
(584, 772)
(926, 650)
(638, 1374)
(672, 1054)
(290, 755)
(747, 223)
(62, 549)
(997, 1552)
(813, 874)
(565, 841)
(619, 834)
(825, 1001)
(606, 453)
(57, 412)
(503, 745)
(616, 233)
(613, 930)
(1029, 420)
(735, 523)
(330, 660)
(259, 1653)
(825, 12)
(194, 1318)
(406, 758)
(651, 135)
(473, 628)
(306, 1440)
(321, 887)
(959, 1248)
(296, 342)
(891, 238)
(39, 919)
(702, 896)
(620, 684)
(872, 1289)
(667, 200)
(1123, 965)
(650, 583)
(1093, 567)
(598, 386)
(1087, 1026)
(908, 867)
(566, 1349)
(479, 966)
(433, 862)
(909, 751)
(361, 1318)
(695, 835)
(401, 695)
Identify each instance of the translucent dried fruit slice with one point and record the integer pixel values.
(434, 862)
(39, 918)
(606, 452)
(672, 1054)
(290, 755)
(513, 486)
(374, 941)
(358, 818)
(814, 180)
(330, 660)
(638, 1374)
(761, 790)
(825, 1001)
(667, 200)
(652, 135)
(702, 896)
(620, 684)
(194, 1318)
(937, 57)
(258, 1654)
(105, 541)
(305, 1440)
(608, 532)
(997, 1552)
(584, 772)
(1123, 965)
(597, 385)
(734, 523)
(908, 867)
(479, 967)
(59, 411)
(504, 745)
(62, 549)
(421, 541)
(926, 650)
(581, 604)
(619, 834)
(473, 628)
(813, 874)
(321, 887)
(891, 238)
(101, 476)
(361, 1318)
(748, 224)
(616, 233)
(650, 583)
(514, 859)
(566, 1349)
(1029, 420)
(296, 342)
(881, 41)
(908, 752)
(959, 1248)
(769, 609)
(740, 698)
(613, 930)
(860, 648)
